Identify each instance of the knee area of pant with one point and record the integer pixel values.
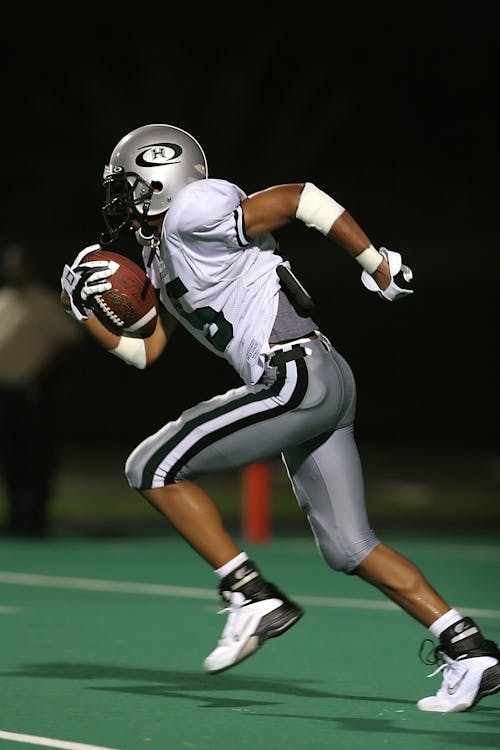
(347, 557)
(343, 560)
(338, 562)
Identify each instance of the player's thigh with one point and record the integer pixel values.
(244, 444)
(228, 431)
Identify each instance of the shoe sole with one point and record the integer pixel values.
(463, 707)
(266, 630)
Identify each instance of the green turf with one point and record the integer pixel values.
(123, 670)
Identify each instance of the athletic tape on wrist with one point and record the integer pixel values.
(132, 351)
(370, 259)
(316, 209)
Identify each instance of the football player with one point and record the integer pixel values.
(210, 251)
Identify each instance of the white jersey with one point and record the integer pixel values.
(219, 284)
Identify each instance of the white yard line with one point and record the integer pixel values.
(189, 592)
(33, 739)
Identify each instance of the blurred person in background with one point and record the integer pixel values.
(34, 333)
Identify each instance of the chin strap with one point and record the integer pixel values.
(147, 236)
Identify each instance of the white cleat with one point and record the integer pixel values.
(465, 682)
(249, 624)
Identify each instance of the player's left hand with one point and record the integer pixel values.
(401, 275)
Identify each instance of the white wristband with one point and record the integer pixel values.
(132, 351)
(316, 209)
(370, 259)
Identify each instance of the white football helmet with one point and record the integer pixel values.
(146, 169)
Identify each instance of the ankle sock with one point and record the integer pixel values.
(228, 567)
(445, 621)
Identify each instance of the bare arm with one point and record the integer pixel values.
(154, 344)
(276, 206)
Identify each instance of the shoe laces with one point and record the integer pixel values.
(236, 601)
(452, 669)
(433, 655)
(446, 667)
(454, 672)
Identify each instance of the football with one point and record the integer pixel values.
(131, 306)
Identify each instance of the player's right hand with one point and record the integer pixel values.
(400, 277)
(82, 279)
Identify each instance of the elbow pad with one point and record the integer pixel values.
(316, 209)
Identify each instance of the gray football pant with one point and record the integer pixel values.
(302, 409)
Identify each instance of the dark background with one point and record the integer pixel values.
(391, 108)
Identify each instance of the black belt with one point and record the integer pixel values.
(282, 356)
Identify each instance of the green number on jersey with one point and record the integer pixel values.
(202, 317)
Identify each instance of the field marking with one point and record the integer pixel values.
(33, 739)
(190, 592)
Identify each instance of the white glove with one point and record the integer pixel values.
(81, 280)
(401, 275)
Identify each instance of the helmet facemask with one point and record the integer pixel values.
(124, 191)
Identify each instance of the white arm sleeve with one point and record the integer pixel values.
(132, 351)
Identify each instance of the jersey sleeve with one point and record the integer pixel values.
(209, 211)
